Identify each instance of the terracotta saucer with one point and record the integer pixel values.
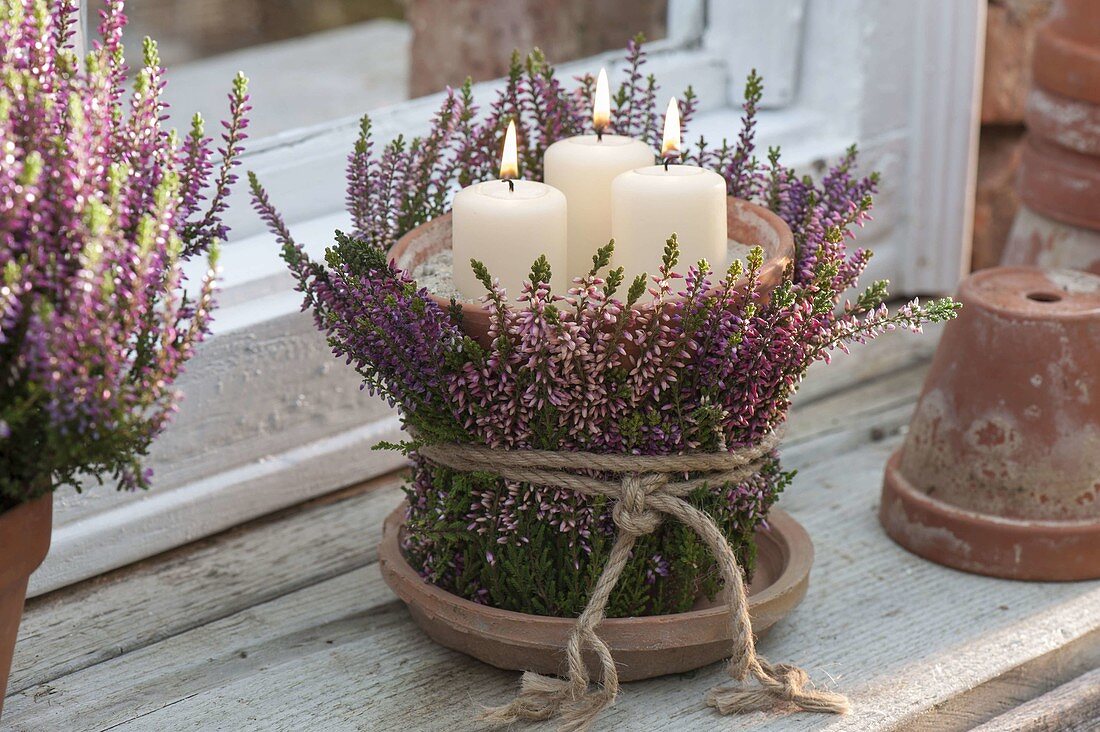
(644, 647)
(747, 224)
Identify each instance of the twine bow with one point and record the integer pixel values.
(644, 496)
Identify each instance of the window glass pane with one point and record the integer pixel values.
(455, 38)
(311, 61)
(188, 30)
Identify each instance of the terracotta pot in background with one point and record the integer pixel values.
(1067, 51)
(747, 224)
(1038, 240)
(1000, 470)
(24, 540)
(1059, 179)
(643, 647)
(1059, 183)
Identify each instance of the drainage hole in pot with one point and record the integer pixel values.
(1044, 296)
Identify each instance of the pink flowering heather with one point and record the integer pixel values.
(686, 360)
(100, 207)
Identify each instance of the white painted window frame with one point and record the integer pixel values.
(270, 419)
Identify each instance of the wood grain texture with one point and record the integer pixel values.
(211, 579)
(104, 618)
(286, 625)
(269, 420)
(898, 634)
(1001, 695)
(1072, 707)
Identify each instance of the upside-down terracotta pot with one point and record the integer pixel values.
(747, 224)
(1067, 51)
(643, 647)
(1059, 180)
(999, 473)
(1040, 241)
(24, 540)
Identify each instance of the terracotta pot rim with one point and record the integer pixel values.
(770, 274)
(34, 513)
(1030, 549)
(625, 635)
(1059, 182)
(1066, 309)
(1066, 65)
(1069, 123)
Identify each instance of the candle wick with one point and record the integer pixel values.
(667, 161)
(511, 185)
(599, 135)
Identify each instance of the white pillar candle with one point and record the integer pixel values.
(582, 168)
(648, 205)
(507, 224)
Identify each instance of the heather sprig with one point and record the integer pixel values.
(686, 359)
(100, 207)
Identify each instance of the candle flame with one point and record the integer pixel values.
(670, 145)
(509, 159)
(601, 103)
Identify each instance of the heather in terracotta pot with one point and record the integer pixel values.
(689, 359)
(99, 209)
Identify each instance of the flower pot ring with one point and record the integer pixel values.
(747, 224)
(643, 647)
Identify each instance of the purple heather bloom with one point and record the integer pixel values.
(100, 207)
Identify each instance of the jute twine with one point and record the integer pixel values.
(644, 495)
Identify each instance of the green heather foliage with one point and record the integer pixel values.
(550, 572)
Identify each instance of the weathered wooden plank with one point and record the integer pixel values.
(845, 412)
(312, 620)
(1006, 692)
(210, 579)
(887, 354)
(897, 633)
(1072, 707)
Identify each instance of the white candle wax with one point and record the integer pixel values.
(507, 229)
(650, 204)
(582, 168)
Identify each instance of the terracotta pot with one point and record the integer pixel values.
(1059, 179)
(1067, 51)
(1060, 183)
(1064, 121)
(644, 647)
(1000, 470)
(1040, 241)
(746, 222)
(24, 540)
